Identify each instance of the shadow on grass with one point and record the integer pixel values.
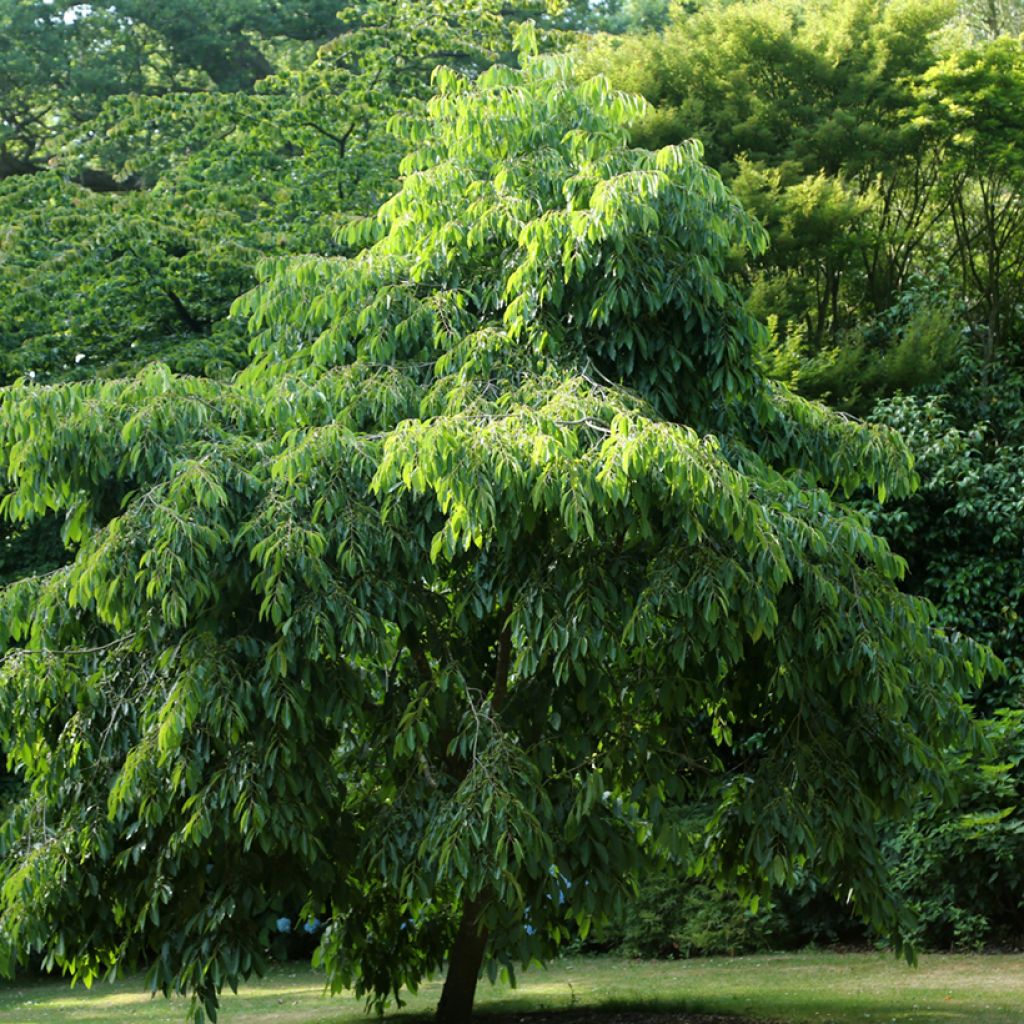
(512, 1011)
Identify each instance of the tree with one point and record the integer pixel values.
(806, 109)
(971, 105)
(989, 19)
(102, 282)
(61, 61)
(435, 620)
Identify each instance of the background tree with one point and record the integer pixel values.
(439, 617)
(989, 19)
(807, 109)
(97, 282)
(60, 62)
(958, 866)
(973, 106)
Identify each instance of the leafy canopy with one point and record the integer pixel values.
(807, 109)
(130, 239)
(101, 282)
(436, 620)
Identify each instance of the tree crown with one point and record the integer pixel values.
(498, 560)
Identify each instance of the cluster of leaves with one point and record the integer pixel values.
(161, 200)
(963, 531)
(914, 345)
(101, 282)
(436, 618)
(673, 917)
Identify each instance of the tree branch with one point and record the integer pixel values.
(501, 668)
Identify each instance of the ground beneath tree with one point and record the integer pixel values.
(615, 1017)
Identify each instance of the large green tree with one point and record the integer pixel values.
(436, 620)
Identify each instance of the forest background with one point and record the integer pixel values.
(151, 155)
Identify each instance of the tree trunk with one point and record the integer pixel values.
(456, 1005)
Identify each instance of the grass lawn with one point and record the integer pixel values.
(825, 988)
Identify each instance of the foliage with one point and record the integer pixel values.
(962, 533)
(61, 61)
(963, 530)
(676, 917)
(812, 112)
(132, 248)
(914, 344)
(960, 870)
(99, 282)
(971, 107)
(104, 282)
(499, 554)
(816, 86)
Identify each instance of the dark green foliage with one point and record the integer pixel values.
(963, 531)
(912, 345)
(60, 62)
(99, 283)
(963, 534)
(673, 917)
(959, 868)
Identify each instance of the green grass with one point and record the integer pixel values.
(824, 988)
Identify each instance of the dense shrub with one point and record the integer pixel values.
(913, 344)
(679, 917)
(960, 871)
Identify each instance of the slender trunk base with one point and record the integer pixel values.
(456, 1005)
